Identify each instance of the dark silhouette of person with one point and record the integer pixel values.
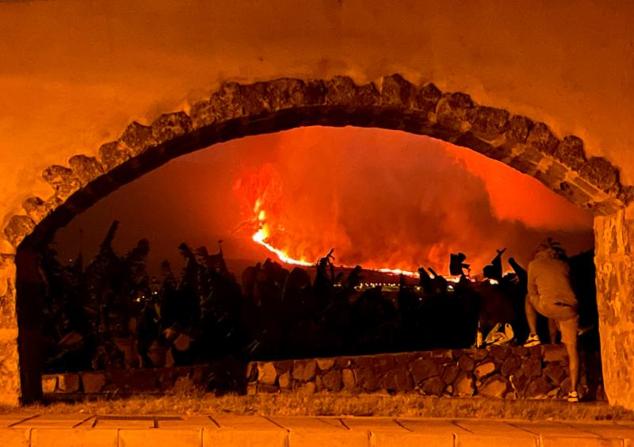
(457, 266)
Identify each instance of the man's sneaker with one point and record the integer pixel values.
(584, 330)
(532, 340)
(573, 397)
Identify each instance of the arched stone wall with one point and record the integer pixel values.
(238, 110)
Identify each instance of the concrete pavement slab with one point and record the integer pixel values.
(244, 431)
(187, 422)
(15, 437)
(113, 421)
(185, 437)
(54, 421)
(73, 437)
(493, 433)
(9, 420)
(320, 431)
(373, 424)
(381, 431)
(555, 434)
(607, 429)
(428, 432)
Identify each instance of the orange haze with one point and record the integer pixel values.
(383, 199)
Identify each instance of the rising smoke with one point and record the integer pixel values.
(380, 198)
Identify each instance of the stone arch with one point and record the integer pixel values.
(237, 110)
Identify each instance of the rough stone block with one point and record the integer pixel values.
(600, 172)
(36, 208)
(307, 389)
(424, 368)
(170, 125)
(452, 111)
(93, 382)
(137, 138)
(464, 385)
(85, 168)
(10, 385)
(570, 152)
(532, 367)
(479, 354)
(286, 92)
(554, 353)
(8, 317)
(285, 381)
(518, 129)
(510, 365)
(342, 91)
(427, 97)
(466, 363)
(397, 91)
(62, 180)
(113, 154)
(367, 380)
(541, 137)
(49, 384)
(397, 380)
(304, 370)
(68, 383)
(499, 353)
(325, 364)
(450, 373)
(538, 388)
(488, 122)
(494, 387)
(555, 373)
(348, 379)
(18, 228)
(267, 374)
(484, 369)
(433, 386)
(332, 380)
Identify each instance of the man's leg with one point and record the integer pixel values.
(531, 318)
(552, 331)
(569, 337)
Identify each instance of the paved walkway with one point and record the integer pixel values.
(255, 431)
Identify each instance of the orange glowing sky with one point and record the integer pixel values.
(380, 198)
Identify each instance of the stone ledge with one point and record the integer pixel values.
(504, 372)
(236, 431)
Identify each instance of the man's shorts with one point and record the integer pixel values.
(564, 315)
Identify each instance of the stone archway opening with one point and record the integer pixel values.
(237, 110)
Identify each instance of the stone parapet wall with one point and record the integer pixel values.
(125, 382)
(496, 372)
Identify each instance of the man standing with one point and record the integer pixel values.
(551, 295)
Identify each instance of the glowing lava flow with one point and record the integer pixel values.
(264, 232)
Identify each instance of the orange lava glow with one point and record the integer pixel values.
(393, 202)
(264, 232)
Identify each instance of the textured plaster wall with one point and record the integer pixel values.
(75, 73)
